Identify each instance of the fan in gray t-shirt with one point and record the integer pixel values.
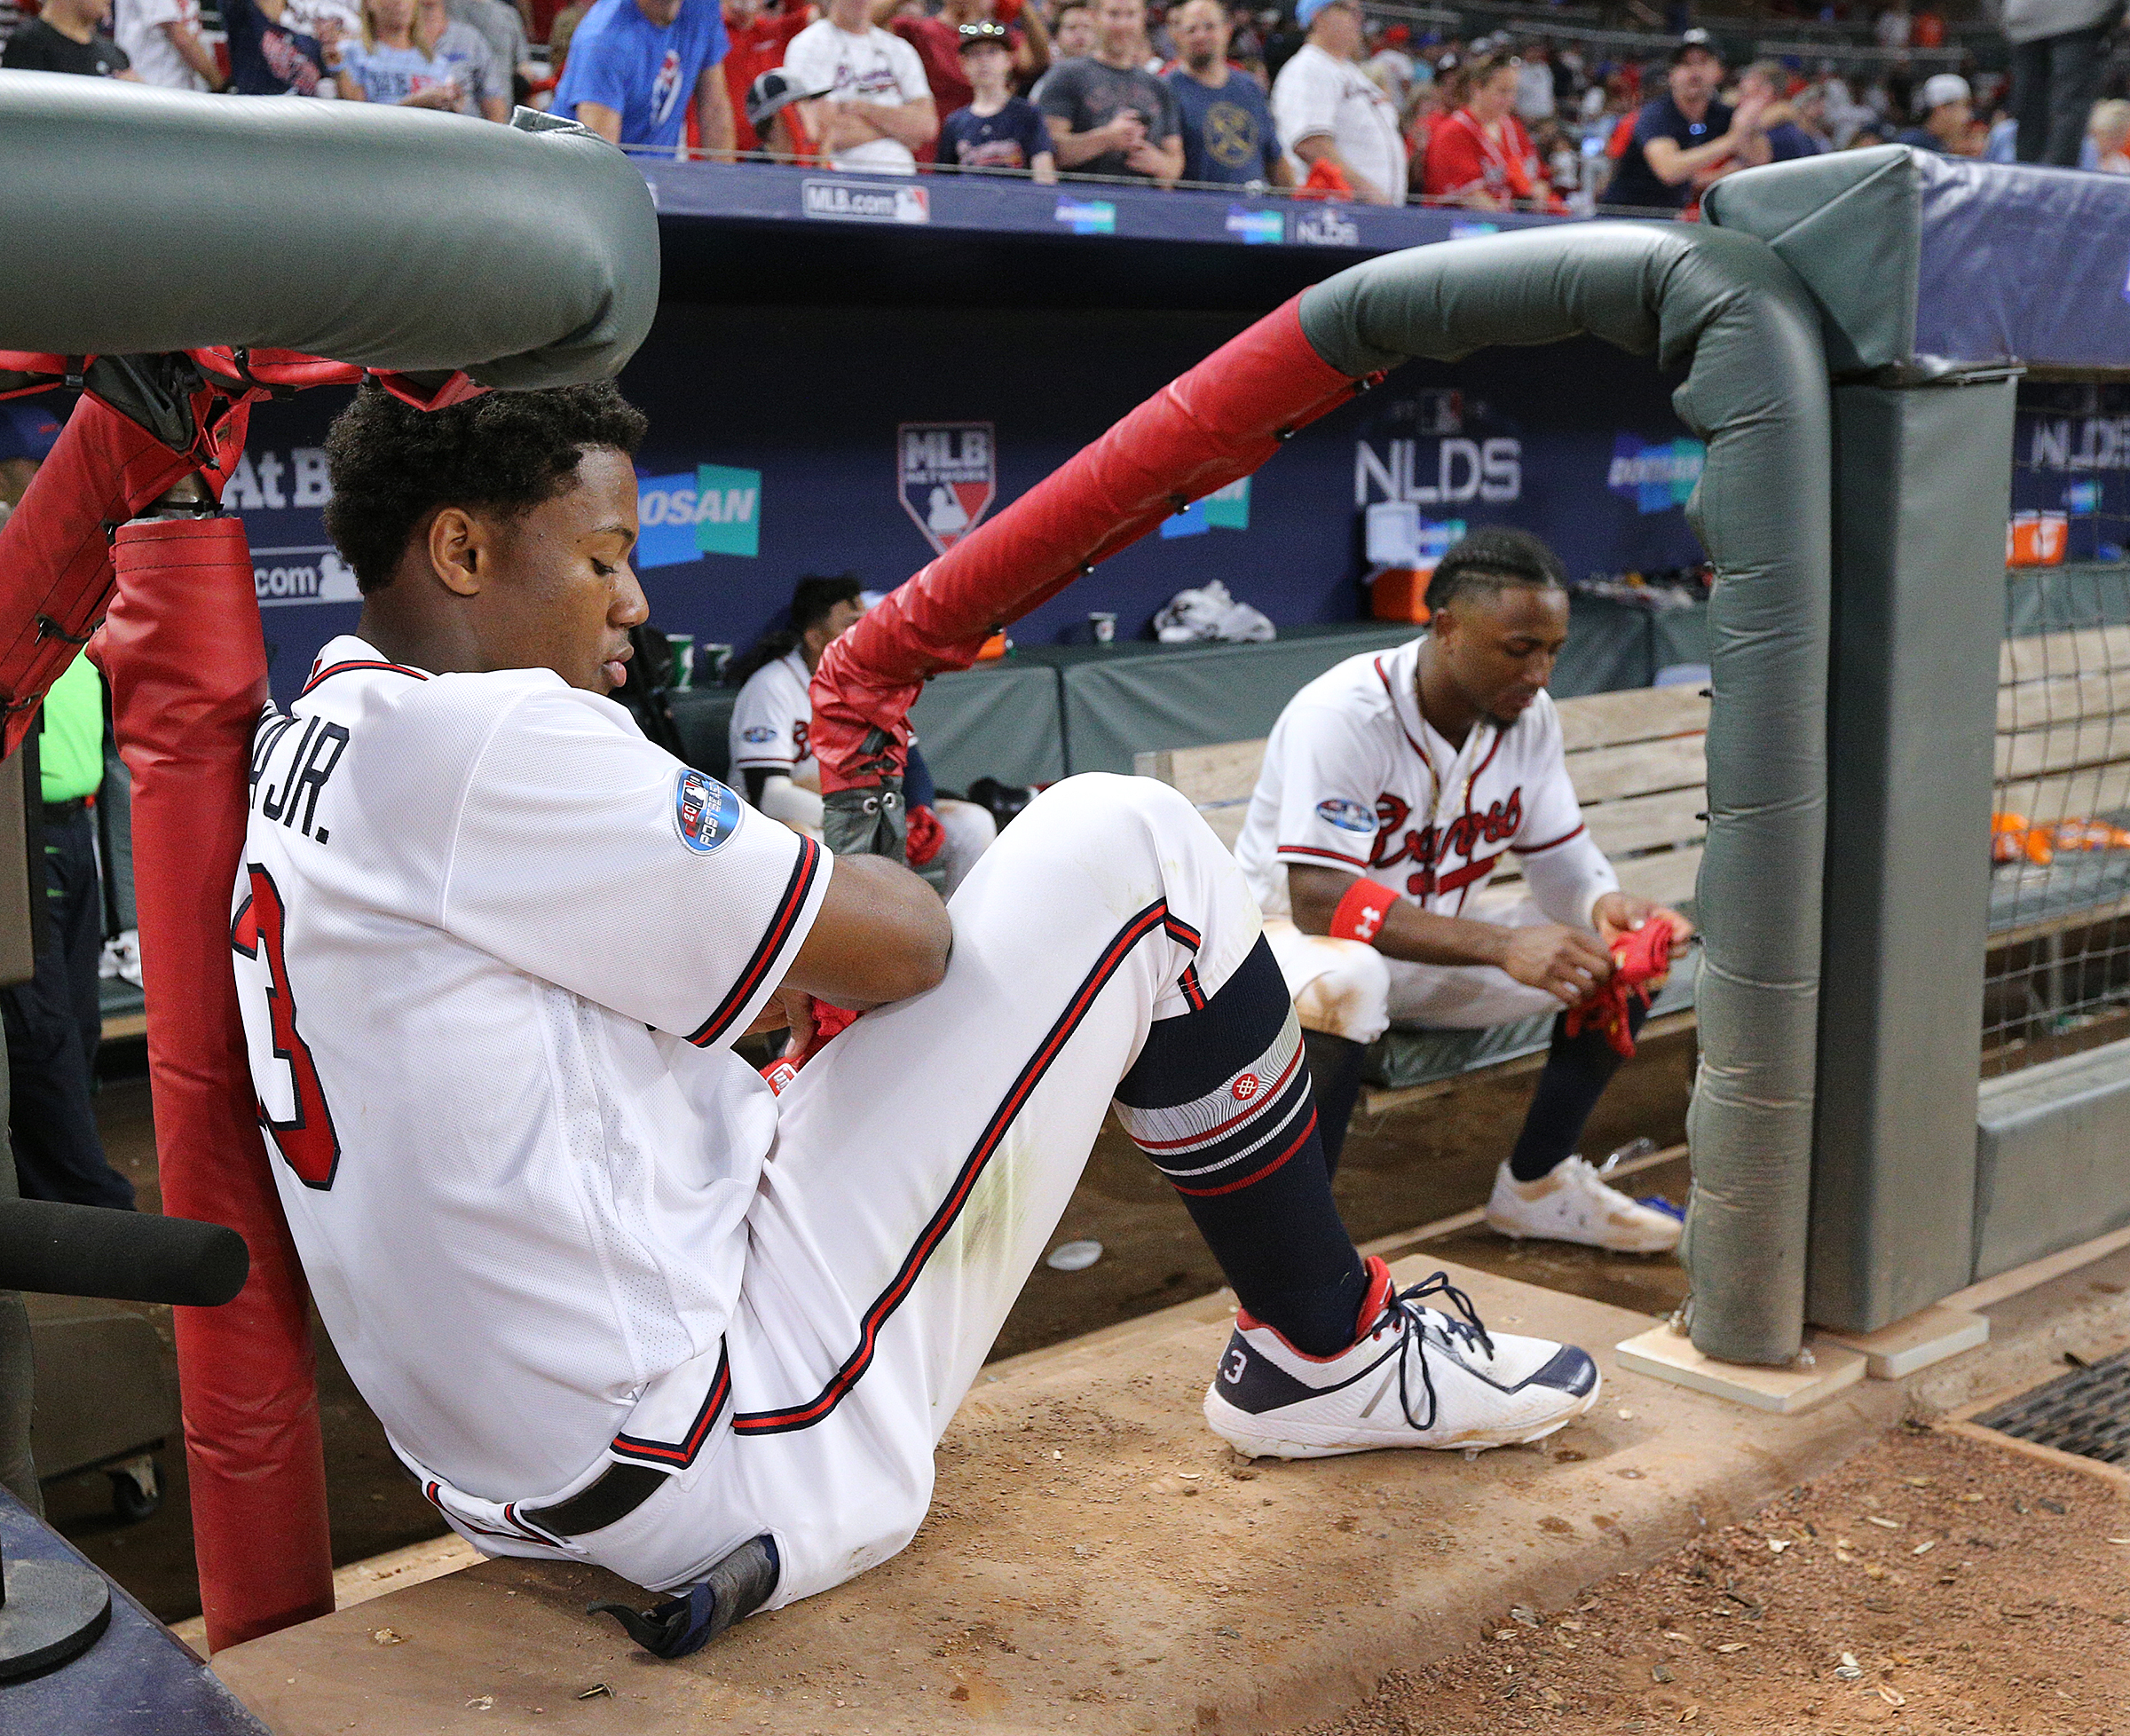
(1089, 95)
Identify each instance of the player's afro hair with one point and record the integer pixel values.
(1493, 559)
(391, 465)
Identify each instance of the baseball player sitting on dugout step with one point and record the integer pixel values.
(1391, 786)
(612, 1300)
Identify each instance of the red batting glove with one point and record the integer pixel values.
(1641, 961)
(926, 836)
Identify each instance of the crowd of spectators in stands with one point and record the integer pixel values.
(1310, 96)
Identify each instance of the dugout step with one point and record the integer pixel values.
(1093, 1553)
(1666, 1356)
(1926, 1336)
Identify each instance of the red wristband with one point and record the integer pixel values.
(1362, 912)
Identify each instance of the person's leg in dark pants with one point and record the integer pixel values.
(59, 1154)
(2074, 85)
(1334, 1064)
(1576, 1072)
(2031, 63)
(1546, 1190)
(77, 915)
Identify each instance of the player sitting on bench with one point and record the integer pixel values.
(1391, 786)
(773, 714)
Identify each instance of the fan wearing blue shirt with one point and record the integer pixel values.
(633, 65)
(1229, 134)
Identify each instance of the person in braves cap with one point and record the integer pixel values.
(997, 131)
(29, 426)
(1686, 138)
(617, 1300)
(772, 115)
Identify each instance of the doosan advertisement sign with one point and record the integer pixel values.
(715, 509)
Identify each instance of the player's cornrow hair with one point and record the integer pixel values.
(391, 465)
(1492, 559)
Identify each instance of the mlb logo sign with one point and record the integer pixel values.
(949, 477)
(715, 511)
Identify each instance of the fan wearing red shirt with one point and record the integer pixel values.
(758, 35)
(1480, 157)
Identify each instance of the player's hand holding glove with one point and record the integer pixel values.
(1643, 939)
(810, 1021)
(1566, 963)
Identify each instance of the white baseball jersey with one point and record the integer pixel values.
(491, 947)
(876, 67)
(1354, 778)
(770, 719)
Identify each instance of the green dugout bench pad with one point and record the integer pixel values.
(1405, 1056)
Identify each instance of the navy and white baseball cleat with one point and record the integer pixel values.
(1416, 1377)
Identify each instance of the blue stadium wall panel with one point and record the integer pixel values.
(777, 445)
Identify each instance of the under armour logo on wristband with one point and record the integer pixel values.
(1361, 911)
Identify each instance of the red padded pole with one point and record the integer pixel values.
(187, 665)
(1202, 430)
(53, 554)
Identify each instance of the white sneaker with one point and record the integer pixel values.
(1414, 1377)
(1575, 1203)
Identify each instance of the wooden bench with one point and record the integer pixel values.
(1639, 765)
(1638, 760)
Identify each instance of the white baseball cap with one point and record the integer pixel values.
(1941, 88)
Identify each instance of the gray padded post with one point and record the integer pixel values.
(1923, 490)
(141, 221)
(1734, 316)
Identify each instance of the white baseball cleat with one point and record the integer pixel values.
(1414, 1377)
(1575, 1203)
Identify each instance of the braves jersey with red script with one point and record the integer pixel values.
(1354, 778)
(492, 947)
(770, 719)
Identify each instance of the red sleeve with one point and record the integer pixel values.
(1454, 163)
(1623, 135)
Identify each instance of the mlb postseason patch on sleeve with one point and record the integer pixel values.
(1346, 815)
(758, 733)
(705, 812)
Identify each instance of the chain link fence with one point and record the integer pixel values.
(2058, 977)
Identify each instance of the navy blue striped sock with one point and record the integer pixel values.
(1220, 1099)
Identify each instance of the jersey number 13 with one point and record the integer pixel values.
(306, 1140)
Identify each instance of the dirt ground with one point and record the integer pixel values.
(1932, 1584)
(1416, 1167)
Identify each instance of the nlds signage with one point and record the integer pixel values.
(1453, 470)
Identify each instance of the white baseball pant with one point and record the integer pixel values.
(970, 831)
(1348, 989)
(922, 1160)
